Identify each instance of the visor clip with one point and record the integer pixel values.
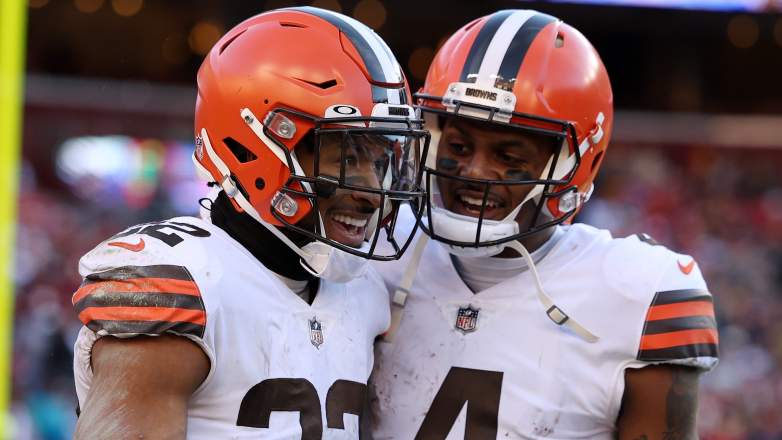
(284, 204)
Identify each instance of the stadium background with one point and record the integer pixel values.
(695, 161)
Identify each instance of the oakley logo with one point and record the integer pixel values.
(483, 94)
(345, 110)
(398, 111)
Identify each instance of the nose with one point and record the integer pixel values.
(365, 177)
(366, 198)
(478, 166)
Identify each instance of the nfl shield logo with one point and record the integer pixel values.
(316, 332)
(466, 319)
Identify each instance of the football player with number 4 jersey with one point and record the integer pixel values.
(258, 320)
(509, 321)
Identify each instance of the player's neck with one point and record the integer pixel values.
(531, 243)
(268, 249)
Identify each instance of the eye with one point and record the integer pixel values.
(380, 164)
(511, 158)
(458, 148)
(351, 160)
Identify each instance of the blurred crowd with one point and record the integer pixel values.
(723, 206)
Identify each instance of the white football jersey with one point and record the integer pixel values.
(187, 277)
(492, 364)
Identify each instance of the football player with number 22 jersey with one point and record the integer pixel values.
(508, 320)
(257, 320)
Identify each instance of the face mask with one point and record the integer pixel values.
(332, 264)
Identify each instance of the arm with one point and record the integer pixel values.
(141, 387)
(660, 403)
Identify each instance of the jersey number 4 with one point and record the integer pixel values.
(343, 397)
(480, 390)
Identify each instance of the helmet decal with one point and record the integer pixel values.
(501, 45)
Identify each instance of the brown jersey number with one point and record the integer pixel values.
(479, 390)
(283, 394)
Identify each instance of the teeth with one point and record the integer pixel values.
(352, 221)
(478, 202)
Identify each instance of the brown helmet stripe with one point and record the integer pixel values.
(517, 50)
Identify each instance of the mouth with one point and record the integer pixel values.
(348, 228)
(467, 202)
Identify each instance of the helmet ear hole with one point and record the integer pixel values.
(560, 40)
(260, 183)
(240, 152)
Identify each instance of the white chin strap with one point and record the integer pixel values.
(554, 312)
(317, 258)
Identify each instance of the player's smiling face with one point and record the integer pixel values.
(481, 150)
(345, 213)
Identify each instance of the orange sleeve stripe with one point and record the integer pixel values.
(680, 310)
(142, 314)
(138, 285)
(675, 339)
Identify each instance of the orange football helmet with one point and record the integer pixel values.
(307, 76)
(530, 71)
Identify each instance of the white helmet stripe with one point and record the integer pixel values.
(499, 44)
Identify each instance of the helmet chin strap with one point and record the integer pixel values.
(314, 263)
(554, 312)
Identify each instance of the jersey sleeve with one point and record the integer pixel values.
(147, 280)
(133, 299)
(680, 326)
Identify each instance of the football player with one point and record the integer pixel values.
(519, 324)
(258, 321)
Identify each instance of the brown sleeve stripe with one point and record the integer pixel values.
(142, 314)
(140, 299)
(153, 271)
(677, 296)
(677, 324)
(146, 327)
(680, 352)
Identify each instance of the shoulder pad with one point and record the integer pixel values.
(141, 281)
